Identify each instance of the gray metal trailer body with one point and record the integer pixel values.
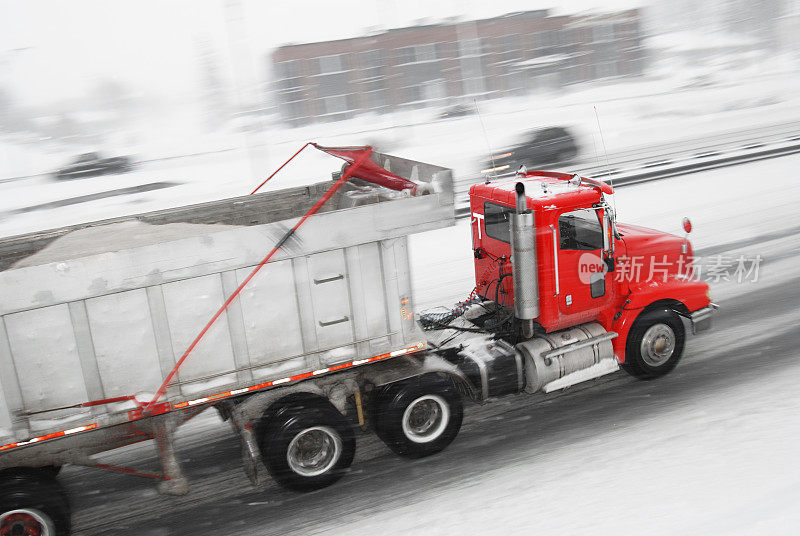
(89, 318)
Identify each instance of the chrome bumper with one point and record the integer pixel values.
(701, 319)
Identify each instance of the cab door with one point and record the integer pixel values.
(584, 281)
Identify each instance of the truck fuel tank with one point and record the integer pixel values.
(493, 366)
(554, 356)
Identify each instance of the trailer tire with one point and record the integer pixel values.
(307, 447)
(33, 502)
(418, 417)
(655, 344)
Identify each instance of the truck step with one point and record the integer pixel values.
(605, 366)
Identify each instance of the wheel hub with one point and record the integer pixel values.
(425, 418)
(658, 344)
(314, 451)
(24, 523)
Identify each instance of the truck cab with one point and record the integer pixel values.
(589, 268)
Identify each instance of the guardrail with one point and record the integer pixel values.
(687, 149)
(701, 159)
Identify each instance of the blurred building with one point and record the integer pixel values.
(445, 63)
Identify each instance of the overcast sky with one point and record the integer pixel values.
(55, 49)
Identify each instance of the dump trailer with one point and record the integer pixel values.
(298, 323)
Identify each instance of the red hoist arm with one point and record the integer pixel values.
(369, 170)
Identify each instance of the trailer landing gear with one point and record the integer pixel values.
(175, 483)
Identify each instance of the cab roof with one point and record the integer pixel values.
(544, 190)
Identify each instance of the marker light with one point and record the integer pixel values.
(498, 168)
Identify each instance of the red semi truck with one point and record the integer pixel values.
(575, 264)
(325, 336)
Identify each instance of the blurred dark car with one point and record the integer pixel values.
(459, 110)
(92, 164)
(542, 147)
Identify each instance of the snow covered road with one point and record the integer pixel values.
(709, 449)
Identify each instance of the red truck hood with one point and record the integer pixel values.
(645, 241)
(650, 248)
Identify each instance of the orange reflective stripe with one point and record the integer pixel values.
(45, 437)
(320, 372)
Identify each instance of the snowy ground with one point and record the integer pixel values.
(709, 449)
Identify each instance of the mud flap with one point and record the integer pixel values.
(251, 454)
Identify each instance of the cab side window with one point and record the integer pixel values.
(496, 221)
(580, 230)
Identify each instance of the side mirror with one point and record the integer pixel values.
(687, 225)
(608, 239)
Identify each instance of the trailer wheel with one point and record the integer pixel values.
(307, 448)
(32, 503)
(418, 417)
(655, 344)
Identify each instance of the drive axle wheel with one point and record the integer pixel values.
(418, 417)
(655, 344)
(426, 418)
(307, 447)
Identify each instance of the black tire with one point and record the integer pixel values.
(33, 502)
(307, 446)
(655, 344)
(418, 417)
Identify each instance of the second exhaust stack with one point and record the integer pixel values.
(523, 262)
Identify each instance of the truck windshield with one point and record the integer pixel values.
(580, 230)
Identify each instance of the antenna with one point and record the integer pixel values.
(486, 136)
(608, 167)
(596, 154)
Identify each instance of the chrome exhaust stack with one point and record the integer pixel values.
(523, 262)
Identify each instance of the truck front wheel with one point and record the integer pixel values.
(655, 344)
(307, 448)
(418, 417)
(32, 503)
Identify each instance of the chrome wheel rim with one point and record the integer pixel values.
(658, 344)
(314, 451)
(26, 522)
(426, 418)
